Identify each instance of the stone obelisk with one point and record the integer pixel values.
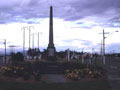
(51, 49)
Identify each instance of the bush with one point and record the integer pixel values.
(76, 74)
(12, 71)
(17, 58)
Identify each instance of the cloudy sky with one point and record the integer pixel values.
(77, 23)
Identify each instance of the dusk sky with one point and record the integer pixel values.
(77, 23)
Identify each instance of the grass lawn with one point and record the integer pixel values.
(90, 85)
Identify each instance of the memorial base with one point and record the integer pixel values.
(51, 56)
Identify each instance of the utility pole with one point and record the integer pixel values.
(33, 41)
(38, 40)
(103, 51)
(24, 41)
(39, 33)
(103, 44)
(24, 28)
(103, 47)
(30, 34)
(5, 49)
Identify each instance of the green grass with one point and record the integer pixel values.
(90, 85)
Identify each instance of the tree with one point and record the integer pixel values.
(33, 52)
(44, 54)
(13, 58)
(17, 57)
(61, 54)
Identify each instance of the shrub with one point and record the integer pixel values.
(76, 74)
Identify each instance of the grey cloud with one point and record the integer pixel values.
(32, 22)
(84, 25)
(114, 22)
(68, 9)
(86, 42)
(93, 7)
(80, 23)
(26, 11)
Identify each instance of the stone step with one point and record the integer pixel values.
(52, 63)
(51, 71)
(52, 66)
(54, 72)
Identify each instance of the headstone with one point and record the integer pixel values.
(68, 55)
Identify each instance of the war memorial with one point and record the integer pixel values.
(51, 48)
(53, 74)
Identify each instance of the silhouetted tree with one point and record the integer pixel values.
(33, 52)
(17, 57)
(61, 54)
(44, 54)
(13, 58)
(29, 52)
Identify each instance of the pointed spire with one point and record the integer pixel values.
(51, 28)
